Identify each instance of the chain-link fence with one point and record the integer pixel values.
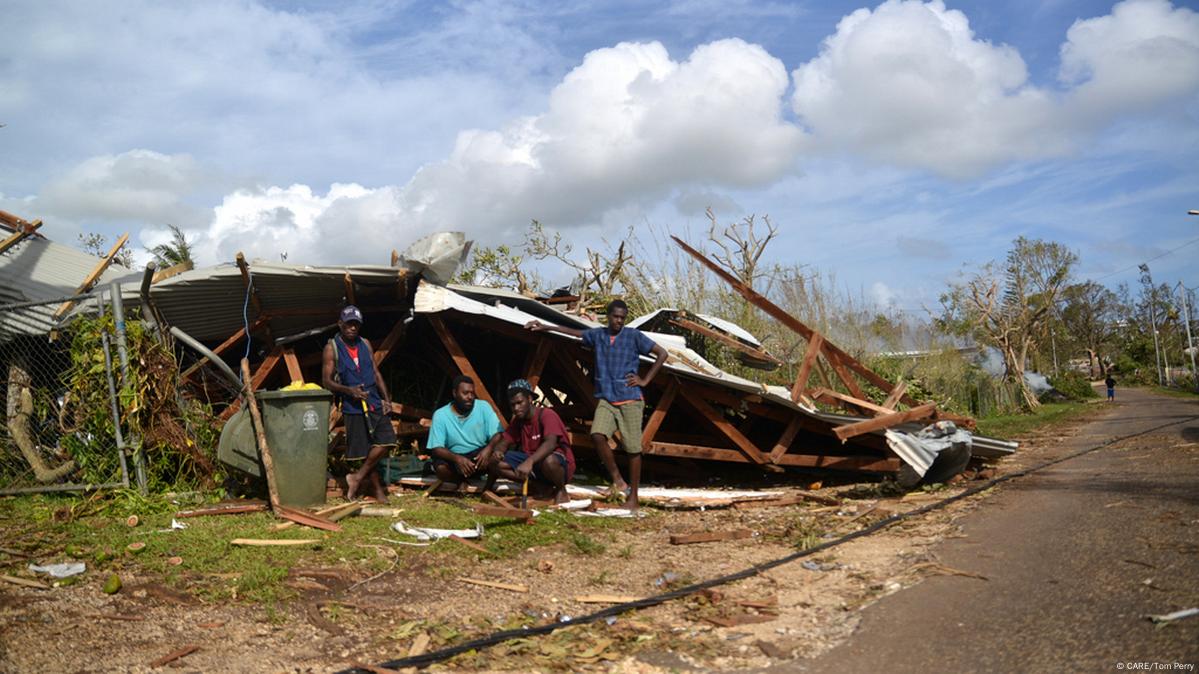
(61, 429)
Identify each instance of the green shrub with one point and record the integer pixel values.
(1073, 385)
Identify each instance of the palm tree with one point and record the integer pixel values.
(176, 252)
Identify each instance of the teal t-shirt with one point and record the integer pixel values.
(463, 436)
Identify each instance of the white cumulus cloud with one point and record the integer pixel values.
(910, 83)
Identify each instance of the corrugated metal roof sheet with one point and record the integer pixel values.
(210, 303)
(38, 269)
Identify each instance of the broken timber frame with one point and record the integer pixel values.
(841, 361)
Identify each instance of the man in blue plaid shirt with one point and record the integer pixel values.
(618, 385)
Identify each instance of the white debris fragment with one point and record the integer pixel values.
(430, 534)
(1171, 617)
(64, 570)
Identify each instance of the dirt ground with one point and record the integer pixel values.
(342, 617)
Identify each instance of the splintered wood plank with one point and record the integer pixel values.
(895, 394)
(785, 440)
(306, 518)
(776, 312)
(463, 364)
(499, 586)
(606, 599)
(260, 374)
(717, 419)
(294, 373)
(348, 282)
(805, 367)
(274, 542)
(175, 655)
(659, 414)
(710, 536)
(473, 546)
(848, 431)
(537, 361)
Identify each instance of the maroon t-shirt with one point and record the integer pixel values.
(528, 435)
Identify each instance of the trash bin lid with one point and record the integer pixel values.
(294, 394)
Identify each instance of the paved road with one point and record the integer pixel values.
(1076, 556)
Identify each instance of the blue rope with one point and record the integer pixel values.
(245, 314)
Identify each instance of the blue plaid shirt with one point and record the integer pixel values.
(616, 358)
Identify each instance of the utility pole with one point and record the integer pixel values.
(1186, 315)
(1147, 278)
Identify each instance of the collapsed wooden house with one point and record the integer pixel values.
(425, 332)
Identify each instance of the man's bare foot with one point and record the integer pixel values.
(381, 495)
(631, 503)
(352, 482)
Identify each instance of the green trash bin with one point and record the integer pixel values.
(297, 431)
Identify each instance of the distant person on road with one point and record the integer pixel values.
(535, 446)
(461, 434)
(621, 407)
(1111, 387)
(348, 369)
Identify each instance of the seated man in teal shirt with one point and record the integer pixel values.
(459, 433)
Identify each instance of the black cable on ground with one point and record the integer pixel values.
(499, 637)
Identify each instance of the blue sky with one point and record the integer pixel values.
(893, 144)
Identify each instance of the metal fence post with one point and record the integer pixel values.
(112, 399)
(118, 315)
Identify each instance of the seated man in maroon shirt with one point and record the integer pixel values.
(536, 444)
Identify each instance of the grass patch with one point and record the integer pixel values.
(56, 528)
(1014, 425)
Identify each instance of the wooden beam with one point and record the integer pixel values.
(788, 436)
(844, 375)
(568, 367)
(221, 348)
(872, 408)
(23, 231)
(94, 276)
(776, 312)
(805, 367)
(389, 342)
(717, 419)
(244, 268)
(264, 369)
(294, 373)
(395, 257)
(462, 363)
(659, 414)
(268, 463)
(171, 271)
(896, 393)
(348, 282)
(879, 423)
(731, 342)
(537, 361)
(875, 464)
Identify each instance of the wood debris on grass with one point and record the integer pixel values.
(499, 586)
(175, 655)
(266, 542)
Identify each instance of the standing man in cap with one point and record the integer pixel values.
(348, 369)
(618, 385)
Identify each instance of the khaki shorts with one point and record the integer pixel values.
(625, 418)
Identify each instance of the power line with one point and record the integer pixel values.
(1134, 266)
